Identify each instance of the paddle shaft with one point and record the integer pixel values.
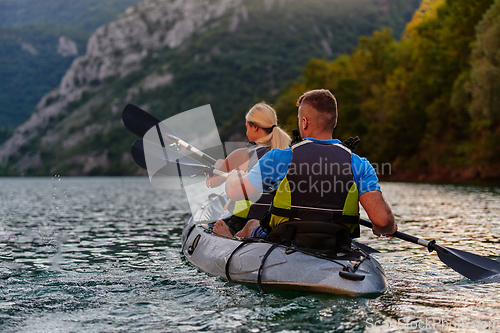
(160, 155)
(470, 265)
(175, 139)
(402, 235)
(220, 173)
(191, 148)
(140, 122)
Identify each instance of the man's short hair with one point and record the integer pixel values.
(323, 101)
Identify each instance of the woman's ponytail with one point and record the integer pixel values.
(264, 116)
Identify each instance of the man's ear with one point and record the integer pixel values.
(305, 123)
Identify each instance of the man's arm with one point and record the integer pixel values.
(238, 186)
(379, 213)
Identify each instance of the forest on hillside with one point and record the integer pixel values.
(29, 63)
(429, 103)
(30, 67)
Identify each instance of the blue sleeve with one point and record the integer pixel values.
(272, 168)
(255, 176)
(364, 175)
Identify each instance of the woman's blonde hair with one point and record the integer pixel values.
(263, 115)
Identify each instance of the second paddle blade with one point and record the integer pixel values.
(470, 265)
(137, 120)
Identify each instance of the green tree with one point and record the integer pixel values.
(419, 102)
(482, 84)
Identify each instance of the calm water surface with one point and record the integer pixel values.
(103, 255)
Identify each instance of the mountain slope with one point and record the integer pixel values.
(32, 61)
(170, 56)
(38, 42)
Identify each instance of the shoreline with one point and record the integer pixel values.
(476, 175)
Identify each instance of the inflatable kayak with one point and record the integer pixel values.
(273, 266)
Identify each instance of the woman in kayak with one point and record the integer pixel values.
(264, 134)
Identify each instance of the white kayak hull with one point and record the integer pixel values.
(283, 269)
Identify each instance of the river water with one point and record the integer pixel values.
(103, 255)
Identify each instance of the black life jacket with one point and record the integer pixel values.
(319, 186)
(246, 209)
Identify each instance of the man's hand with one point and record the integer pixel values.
(379, 213)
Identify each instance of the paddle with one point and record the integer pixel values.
(171, 160)
(472, 266)
(140, 122)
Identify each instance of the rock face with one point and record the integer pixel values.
(117, 49)
(66, 47)
(29, 48)
(151, 24)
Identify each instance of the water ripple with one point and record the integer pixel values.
(103, 255)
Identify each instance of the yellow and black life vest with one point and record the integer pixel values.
(246, 209)
(319, 186)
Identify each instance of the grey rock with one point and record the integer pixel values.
(117, 49)
(29, 48)
(66, 47)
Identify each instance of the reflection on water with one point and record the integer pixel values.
(103, 254)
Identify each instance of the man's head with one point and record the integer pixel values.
(317, 113)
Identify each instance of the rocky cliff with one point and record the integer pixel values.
(171, 55)
(114, 49)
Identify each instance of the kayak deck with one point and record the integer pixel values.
(282, 267)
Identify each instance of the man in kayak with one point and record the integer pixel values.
(317, 179)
